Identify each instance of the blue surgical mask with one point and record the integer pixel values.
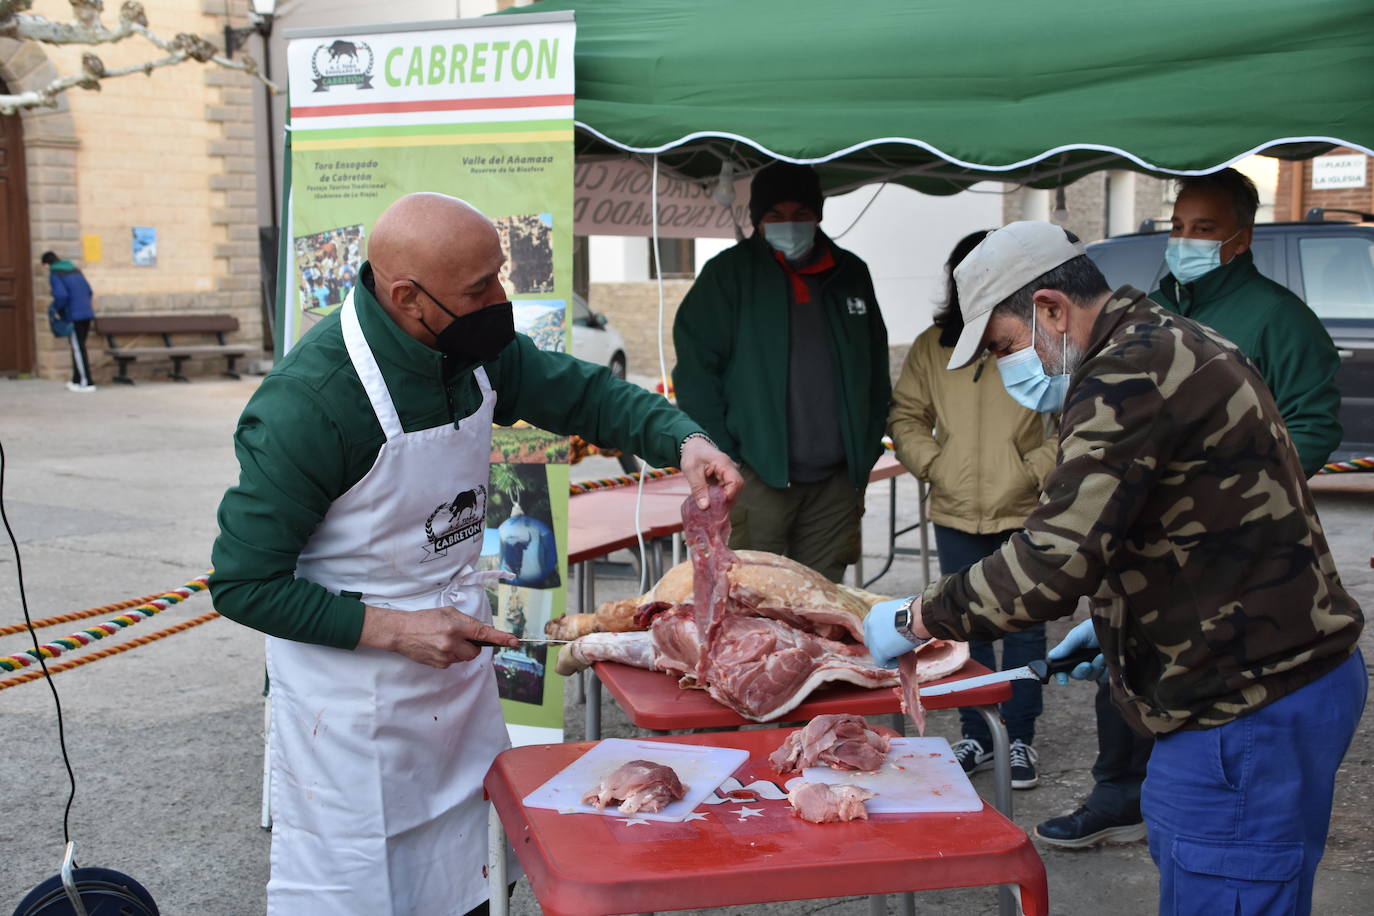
(1189, 259)
(793, 240)
(1023, 375)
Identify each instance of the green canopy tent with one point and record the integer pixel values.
(939, 94)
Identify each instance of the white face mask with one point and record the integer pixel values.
(793, 240)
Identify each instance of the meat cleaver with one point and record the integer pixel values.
(1039, 670)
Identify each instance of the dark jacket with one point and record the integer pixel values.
(1180, 508)
(70, 291)
(1281, 336)
(731, 336)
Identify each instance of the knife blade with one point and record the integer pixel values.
(1039, 670)
(538, 642)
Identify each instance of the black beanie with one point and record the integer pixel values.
(784, 181)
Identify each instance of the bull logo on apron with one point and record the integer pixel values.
(455, 521)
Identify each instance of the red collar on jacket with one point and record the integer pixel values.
(800, 291)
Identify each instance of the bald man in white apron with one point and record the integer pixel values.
(385, 715)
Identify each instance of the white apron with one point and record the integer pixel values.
(377, 760)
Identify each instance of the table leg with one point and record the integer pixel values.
(877, 905)
(892, 533)
(496, 864)
(1001, 776)
(921, 492)
(677, 548)
(592, 719)
(906, 904)
(897, 721)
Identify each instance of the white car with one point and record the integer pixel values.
(594, 340)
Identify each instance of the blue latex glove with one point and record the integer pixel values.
(1082, 636)
(881, 636)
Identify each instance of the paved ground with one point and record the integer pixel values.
(113, 495)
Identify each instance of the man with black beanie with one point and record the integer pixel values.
(782, 358)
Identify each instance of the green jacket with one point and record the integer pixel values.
(309, 434)
(731, 337)
(1188, 522)
(1281, 336)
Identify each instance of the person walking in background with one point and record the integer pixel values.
(984, 457)
(73, 298)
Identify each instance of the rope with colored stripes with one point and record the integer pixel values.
(1354, 464)
(13, 628)
(101, 630)
(607, 483)
(110, 650)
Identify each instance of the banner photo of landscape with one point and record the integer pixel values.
(481, 109)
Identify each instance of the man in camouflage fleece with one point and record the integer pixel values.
(1180, 507)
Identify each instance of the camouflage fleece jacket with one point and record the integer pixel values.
(1179, 506)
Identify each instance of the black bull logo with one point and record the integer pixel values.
(343, 49)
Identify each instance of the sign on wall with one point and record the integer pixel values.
(614, 197)
(1339, 171)
(481, 110)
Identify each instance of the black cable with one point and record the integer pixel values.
(24, 602)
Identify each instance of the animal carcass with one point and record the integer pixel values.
(773, 630)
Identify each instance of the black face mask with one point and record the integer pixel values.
(478, 336)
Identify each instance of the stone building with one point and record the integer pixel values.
(172, 151)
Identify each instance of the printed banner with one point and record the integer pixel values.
(482, 110)
(613, 197)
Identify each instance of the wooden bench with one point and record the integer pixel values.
(164, 326)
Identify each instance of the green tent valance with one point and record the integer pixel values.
(938, 94)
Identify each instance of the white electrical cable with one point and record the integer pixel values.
(662, 375)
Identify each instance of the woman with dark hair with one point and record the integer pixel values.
(984, 457)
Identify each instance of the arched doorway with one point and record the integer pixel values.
(16, 263)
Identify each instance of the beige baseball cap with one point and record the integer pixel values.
(1006, 260)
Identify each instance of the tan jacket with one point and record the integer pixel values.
(983, 454)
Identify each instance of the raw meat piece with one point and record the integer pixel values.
(633, 649)
(571, 626)
(820, 804)
(909, 673)
(706, 532)
(640, 785)
(842, 742)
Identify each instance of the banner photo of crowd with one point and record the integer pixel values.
(527, 242)
(327, 267)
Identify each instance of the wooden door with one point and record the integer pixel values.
(16, 270)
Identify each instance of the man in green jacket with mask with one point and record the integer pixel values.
(353, 539)
(782, 357)
(1213, 280)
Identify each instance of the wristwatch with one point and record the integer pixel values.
(902, 620)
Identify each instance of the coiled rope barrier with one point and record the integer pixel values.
(1354, 464)
(39, 624)
(607, 483)
(99, 631)
(110, 650)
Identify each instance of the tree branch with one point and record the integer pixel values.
(88, 30)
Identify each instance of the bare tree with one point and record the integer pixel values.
(87, 29)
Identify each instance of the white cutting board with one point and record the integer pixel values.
(918, 775)
(701, 770)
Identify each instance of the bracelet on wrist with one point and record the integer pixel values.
(690, 436)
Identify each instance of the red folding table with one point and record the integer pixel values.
(654, 701)
(737, 852)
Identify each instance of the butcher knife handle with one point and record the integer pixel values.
(1044, 668)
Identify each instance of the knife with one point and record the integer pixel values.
(538, 642)
(1039, 670)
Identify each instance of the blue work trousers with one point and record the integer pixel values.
(958, 550)
(1238, 814)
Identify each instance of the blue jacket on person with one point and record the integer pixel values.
(70, 291)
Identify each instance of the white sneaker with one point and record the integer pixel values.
(85, 389)
(73, 386)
